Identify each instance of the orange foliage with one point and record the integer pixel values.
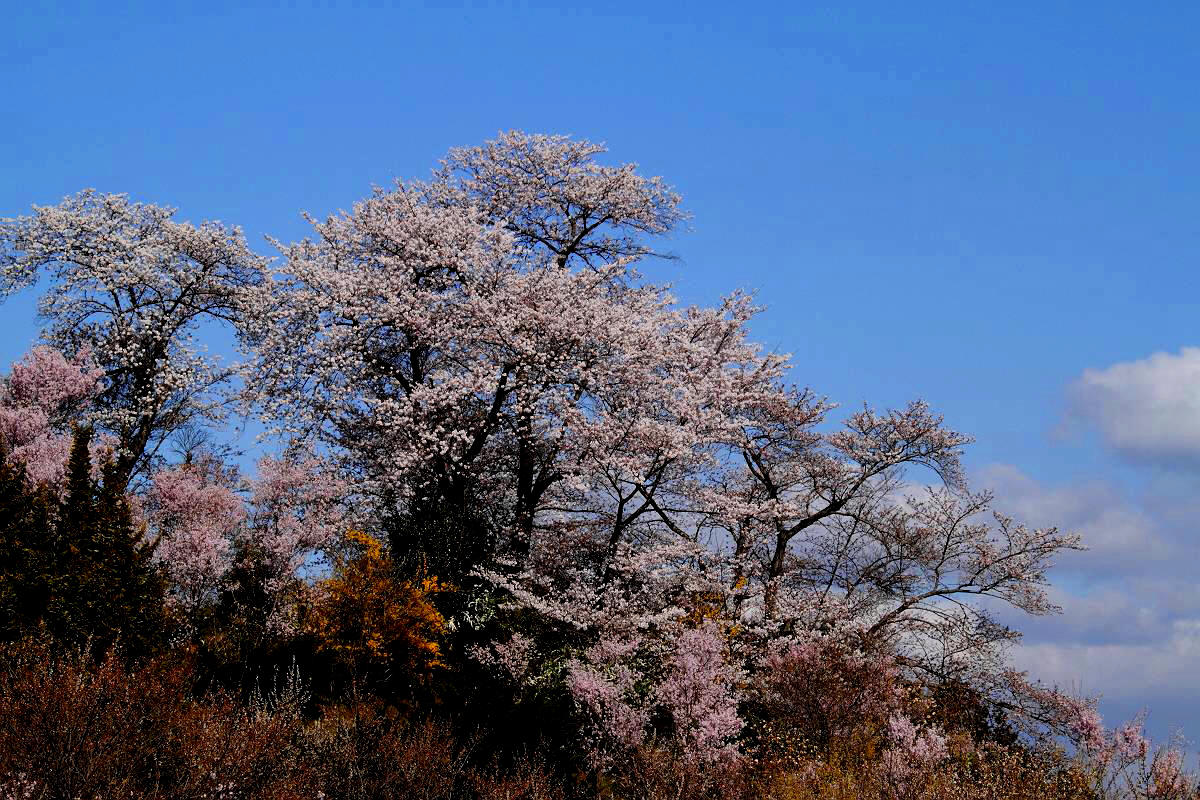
(369, 617)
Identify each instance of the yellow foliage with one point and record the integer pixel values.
(703, 607)
(369, 617)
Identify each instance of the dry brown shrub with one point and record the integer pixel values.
(527, 779)
(362, 751)
(994, 773)
(72, 727)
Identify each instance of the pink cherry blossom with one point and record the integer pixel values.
(1167, 777)
(911, 754)
(701, 691)
(195, 519)
(40, 399)
(603, 684)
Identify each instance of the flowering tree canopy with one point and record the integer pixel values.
(481, 345)
(282, 518)
(551, 193)
(129, 287)
(42, 395)
(435, 341)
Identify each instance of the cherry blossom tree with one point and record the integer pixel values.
(701, 692)
(194, 516)
(796, 530)
(39, 400)
(482, 354)
(435, 342)
(130, 286)
(296, 508)
(295, 511)
(204, 518)
(911, 755)
(621, 687)
(551, 193)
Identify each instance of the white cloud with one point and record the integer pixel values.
(1120, 671)
(1130, 623)
(1118, 534)
(1146, 410)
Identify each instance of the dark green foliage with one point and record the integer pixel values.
(27, 559)
(81, 572)
(439, 536)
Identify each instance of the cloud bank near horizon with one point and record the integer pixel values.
(1130, 623)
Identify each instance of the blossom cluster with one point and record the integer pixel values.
(42, 396)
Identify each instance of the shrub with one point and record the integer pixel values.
(374, 624)
(80, 727)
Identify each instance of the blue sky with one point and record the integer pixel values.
(970, 205)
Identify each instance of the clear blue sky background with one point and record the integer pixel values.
(963, 202)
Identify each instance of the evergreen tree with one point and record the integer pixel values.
(75, 602)
(84, 574)
(135, 585)
(26, 549)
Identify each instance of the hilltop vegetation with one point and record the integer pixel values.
(533, 529)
